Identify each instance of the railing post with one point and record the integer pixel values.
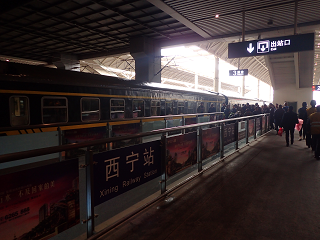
(60, 142)
(247, 131)
(199, 148)
(236, 129)
(109, 135)
(266, 123)
(166, 125)
(89, 192)
(255, 128)
(163, 182)
(183, 124)
(221, 140)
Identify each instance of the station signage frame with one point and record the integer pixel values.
(261, 47)
(238, 72)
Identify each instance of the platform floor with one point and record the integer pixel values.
(265, 191)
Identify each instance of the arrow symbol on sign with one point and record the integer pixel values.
(250, 48)
(263, 48)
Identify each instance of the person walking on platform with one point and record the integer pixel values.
(315, 131)
(271, 106)
(302, 114)
(289, 121)
(285, 107)
(310, 110)
(278, 114)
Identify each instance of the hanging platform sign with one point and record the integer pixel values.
(286, 44)
(238, 72)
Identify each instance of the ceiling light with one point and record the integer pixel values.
(217, 16)
(7, 60)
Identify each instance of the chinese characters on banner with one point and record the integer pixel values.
(39, 203)
(229, 134)
(181, 152)
(210, 142)
(121, 170)
(251, 128)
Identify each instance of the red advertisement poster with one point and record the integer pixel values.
(263, 124)
(210, 142)
(123, 130)
(181, 152)
(251, 128)
(83, 135)
(39, 203)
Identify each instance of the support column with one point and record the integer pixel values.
(147, 56)
(243, 86)
(67, 62)
(258, 89)
(216, 83)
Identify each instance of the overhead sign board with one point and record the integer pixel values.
(316, 88)
(286, 44)
(238, 72)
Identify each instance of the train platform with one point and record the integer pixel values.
(264, 191)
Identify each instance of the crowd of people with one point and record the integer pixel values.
(282, 116)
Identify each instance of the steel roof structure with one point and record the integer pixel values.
(37, 30)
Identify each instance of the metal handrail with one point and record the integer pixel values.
(49, 150)
(2, 129)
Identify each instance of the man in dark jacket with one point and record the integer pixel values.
(289, 121)
(303, 115)
(278, 114)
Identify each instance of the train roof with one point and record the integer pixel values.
(38, 74)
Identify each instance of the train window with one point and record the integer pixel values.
(175, 107)
(168, 108)
(138, 108)
(19, 110)
(192, 107)
(180, 107)
(117, 108)
(54, 109)
(90, 109)
(155, 108)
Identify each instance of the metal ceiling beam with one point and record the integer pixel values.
(168, 10)
(101, 3)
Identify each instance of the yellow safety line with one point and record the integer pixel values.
(153, 120)
(123, 122)
(87, 95)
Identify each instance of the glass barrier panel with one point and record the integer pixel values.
(150, 126)
(241, 134)
(258, 126)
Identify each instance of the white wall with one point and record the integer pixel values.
(290, 93)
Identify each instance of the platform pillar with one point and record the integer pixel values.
(216, 83)
(147, 56)
(66, 62)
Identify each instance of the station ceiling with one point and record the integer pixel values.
(38, 30)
